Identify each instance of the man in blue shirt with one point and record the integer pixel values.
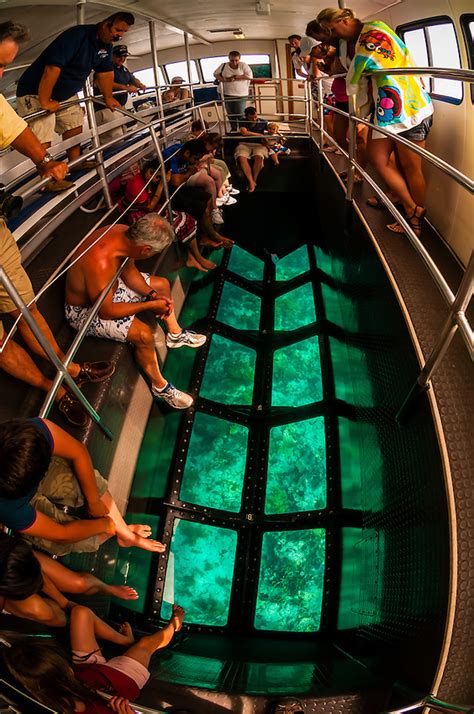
(123, 79)
(251, 125)
(61, 71)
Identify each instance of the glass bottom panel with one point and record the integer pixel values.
(351, 375)
(199, 572)
(239, 308)
(295, 309)
(296, 477)
(245, 264)
(290, 587)
(215, 465)
(194, 671)
(297, 374)
(229, 373)
(293, 264)
(284, 679)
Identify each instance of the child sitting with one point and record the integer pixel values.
(48, 674)
(276, 144)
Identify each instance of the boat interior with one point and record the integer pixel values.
(316, 500)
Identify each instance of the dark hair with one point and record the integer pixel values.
(20, 571)
(14, 31)
(249, 110)
(43, 669)
(151, 165)
(126, 17)
(196, 147)
(315, 30)
(197, 125)
(213, 138)
(25, 455)
(293, 37)
(234, 53)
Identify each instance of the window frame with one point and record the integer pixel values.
(167, 75)
(424, 24)
(263, 54)
(465, 19)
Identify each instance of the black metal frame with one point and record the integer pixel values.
(251, 522)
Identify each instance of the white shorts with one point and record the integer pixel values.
(249, 150)
(116, 330)
(127, 665)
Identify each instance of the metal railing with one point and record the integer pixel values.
(434, 704)
(458, 303)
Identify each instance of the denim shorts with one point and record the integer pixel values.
(418, 132)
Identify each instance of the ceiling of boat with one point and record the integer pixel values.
(46, 19)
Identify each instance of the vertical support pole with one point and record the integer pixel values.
(320, 113)
(201, 118)
(154, 56)
(341, 4)
(352, 146)
(80, 15)
(188, 66)
(163, 172)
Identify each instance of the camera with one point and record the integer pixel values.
(10, 205)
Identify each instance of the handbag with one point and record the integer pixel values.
(216, 81)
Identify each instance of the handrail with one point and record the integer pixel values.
(48, 350)
(432, 703)
(457, 303)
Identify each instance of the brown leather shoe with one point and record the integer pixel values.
(87, 165)
(72, 410)
(58, 186)
(94, 372)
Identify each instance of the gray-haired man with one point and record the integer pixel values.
(132, 293)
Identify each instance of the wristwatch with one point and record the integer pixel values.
(47, 158)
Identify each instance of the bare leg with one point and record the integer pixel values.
(142, 650)
(162, 287)
(275, 159)
(245, 165)
(379, 152)
(128, 536)
(195, 259)
(141, 338)
(340, 130)
(86, 627)
(18, 363)
(203, 180)
(68, 581)
(75, 151)
(411, 164)
(212, 238)
(257, 167)
(33, 344)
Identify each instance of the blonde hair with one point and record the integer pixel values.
(333, 14)
(273, 126)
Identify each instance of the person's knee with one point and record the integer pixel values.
(141, 335)
(79, 582)
(160, 284)
(80, 615)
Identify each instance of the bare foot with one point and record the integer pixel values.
(226, 242)
(137, 541)
(177, 617)
(207, 263)
(191, 262)
(252, 186)
(126, 631)
(211, 243)
(123, 592)
(140, 529)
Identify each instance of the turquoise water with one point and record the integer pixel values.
(229, 373)
(296, 478)
(245, 264)
(239, 308)
(199, 573)
(216, 447)
(295, 309)
(297, 374)
(291, 581)
(293, 264)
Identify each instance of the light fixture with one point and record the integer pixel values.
(262, 7)
(239, 35)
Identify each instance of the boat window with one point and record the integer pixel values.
(180, 69)
(467, 23)
(433, 43)
(260, 65)
(147, 76)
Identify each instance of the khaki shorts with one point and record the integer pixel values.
(61, 121)
(60, 486)
(10, 260)
(248, 151)
(223, 168)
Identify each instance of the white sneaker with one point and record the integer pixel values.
(233, 191)
(172, 396)
(216, 216)
(186, 338)
(221, 201)
(229, 201)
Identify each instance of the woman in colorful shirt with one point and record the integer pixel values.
(401, 103)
